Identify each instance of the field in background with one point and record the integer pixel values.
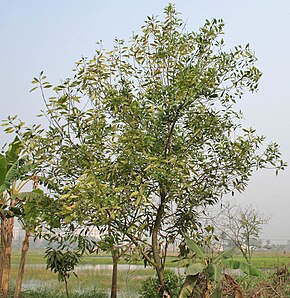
(261, 259)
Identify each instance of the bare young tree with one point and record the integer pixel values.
(241, 226)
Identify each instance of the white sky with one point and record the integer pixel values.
(51, 35)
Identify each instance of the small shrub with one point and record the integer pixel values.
(151, 287)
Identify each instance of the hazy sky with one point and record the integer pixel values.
(52, 35)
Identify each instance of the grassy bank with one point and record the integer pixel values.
(50, 293)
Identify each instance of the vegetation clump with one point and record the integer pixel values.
(151, 287)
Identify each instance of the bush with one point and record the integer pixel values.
(151, 287)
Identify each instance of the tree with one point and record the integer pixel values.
(63, 263)
(241, 226)
(145, 133)
(15, 173)
(29, 224)
(9, 189)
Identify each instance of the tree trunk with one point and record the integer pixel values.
(2, 249)
(1, 269)
(25, 247)
(155, 246)
(114, 287)
(7, 258)
(160, 274)
(66, 287)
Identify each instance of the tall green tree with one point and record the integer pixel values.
(145, 133)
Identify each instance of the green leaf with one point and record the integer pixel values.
(245, 267)
(214, 272)
(188, 286)
(227, 254)
(34, 88)
(12, 173)
(134, 193)
(13, 151)
(10, 176)
(194, 247)
(38, 191)
(3, 168)
(195, 268)
(16, 211)
(4, 186)
(36, 194)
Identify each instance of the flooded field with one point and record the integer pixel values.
(90, 277)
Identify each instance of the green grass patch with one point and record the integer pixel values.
(48, 293)
(268, 260)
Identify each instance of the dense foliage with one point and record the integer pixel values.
(151, 287)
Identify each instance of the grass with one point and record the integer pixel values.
(97, 281)
(47, 293)
(269, 260)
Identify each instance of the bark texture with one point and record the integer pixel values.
(7, 257)
(25, 247)
(114, 287)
